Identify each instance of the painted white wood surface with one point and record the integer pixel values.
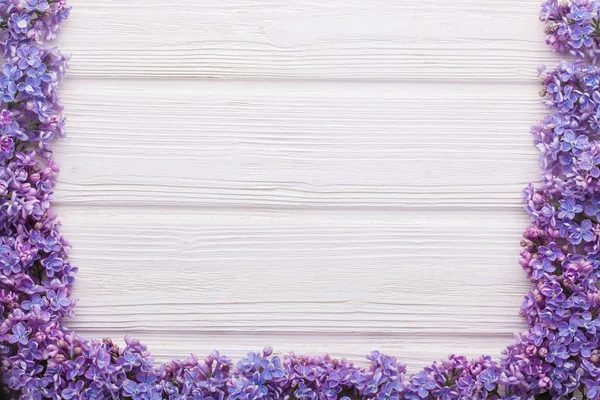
(320, 176)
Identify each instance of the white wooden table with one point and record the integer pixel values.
(320, 176)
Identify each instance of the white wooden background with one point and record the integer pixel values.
(318, 175)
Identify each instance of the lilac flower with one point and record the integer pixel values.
(553, 291)
(489, 378)
(592, 387)
(422, 385)
(304, 392)
(570, 141)
(29, 56)
(20, 23)
(42, 109)
(581, 344)
(37, 5)
(306, 372)
(593, 209)
(35, 301)
(58, 300)
(583, 232)
(7, 146)
(272, 368)
(10, 262)
(46, 243)
(26, 159)
(20, 334)
(568, 329)
(75, 367)
(552, 252)
(557, 354)
(5, 117)
(53, 264)
(542, 267)
(590, 324)
(73, 390)
(40, 73)
(581, 36)
(7, 91)
(548, 213)
(587, 161)
(567, 99)
(392, 391)
(11, 73)
(591, 82)
(579, 14)
(567, 162)
(31, 86)
(581, 301)
(569, 208)
(134, 390)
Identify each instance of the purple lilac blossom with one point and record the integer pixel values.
(572, 27)
(557, 358)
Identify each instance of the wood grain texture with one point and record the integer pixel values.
(391, 279)
(336, 176)
(286, 145)
(382, 40)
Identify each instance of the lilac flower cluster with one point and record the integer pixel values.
(573, 26)
(557, 358)
(72, 368)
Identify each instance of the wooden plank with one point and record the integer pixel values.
(345, 282)
(286, 145)
(416, 350)
(382, 40)
(355, 188)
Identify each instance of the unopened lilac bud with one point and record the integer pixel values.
(476, 369)
(541, 68)
(40, 337)
(523, 262)
(35, 177)
(539, 298)
(543, 352)
(545, 382)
